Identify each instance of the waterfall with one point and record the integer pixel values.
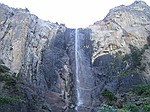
(77, 59)
(84, 77)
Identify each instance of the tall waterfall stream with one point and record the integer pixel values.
(77, 59)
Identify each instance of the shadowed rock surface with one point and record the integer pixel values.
(113, 53)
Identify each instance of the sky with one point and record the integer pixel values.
(72, 13)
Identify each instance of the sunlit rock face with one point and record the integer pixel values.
(62, 74)
(35, 50)
(112, 37)
(123, 26)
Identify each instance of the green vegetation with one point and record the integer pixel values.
(131, 107)
(10, 84)
(136, 56)
(118, 54)
(107, 108)
(142, 89)
(146, 108)
(9, 87)
(145, 46)
(3, 69)
(126, 57)
(9, 81)
(134, 60)
(123, 73)
(109, 95)
(4, 77)
(136, 100)
(8, 100)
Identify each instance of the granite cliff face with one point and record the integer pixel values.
(35, 51)
(120, 57)
(66, 70)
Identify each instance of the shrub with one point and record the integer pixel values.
(146, 108)
(3, 69)
(145, 46)
(142, 89)
(109, 95)
(9, 80)
(10, 84)
(107, 108)
(136, 55)
(126, 57)
(131, 107)
(7, 100)
(124, 110)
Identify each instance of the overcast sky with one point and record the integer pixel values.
(73, 13)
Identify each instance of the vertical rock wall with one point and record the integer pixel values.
(39, 52)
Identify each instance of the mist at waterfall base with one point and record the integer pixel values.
(72, 13)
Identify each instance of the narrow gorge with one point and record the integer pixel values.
(47, 67)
